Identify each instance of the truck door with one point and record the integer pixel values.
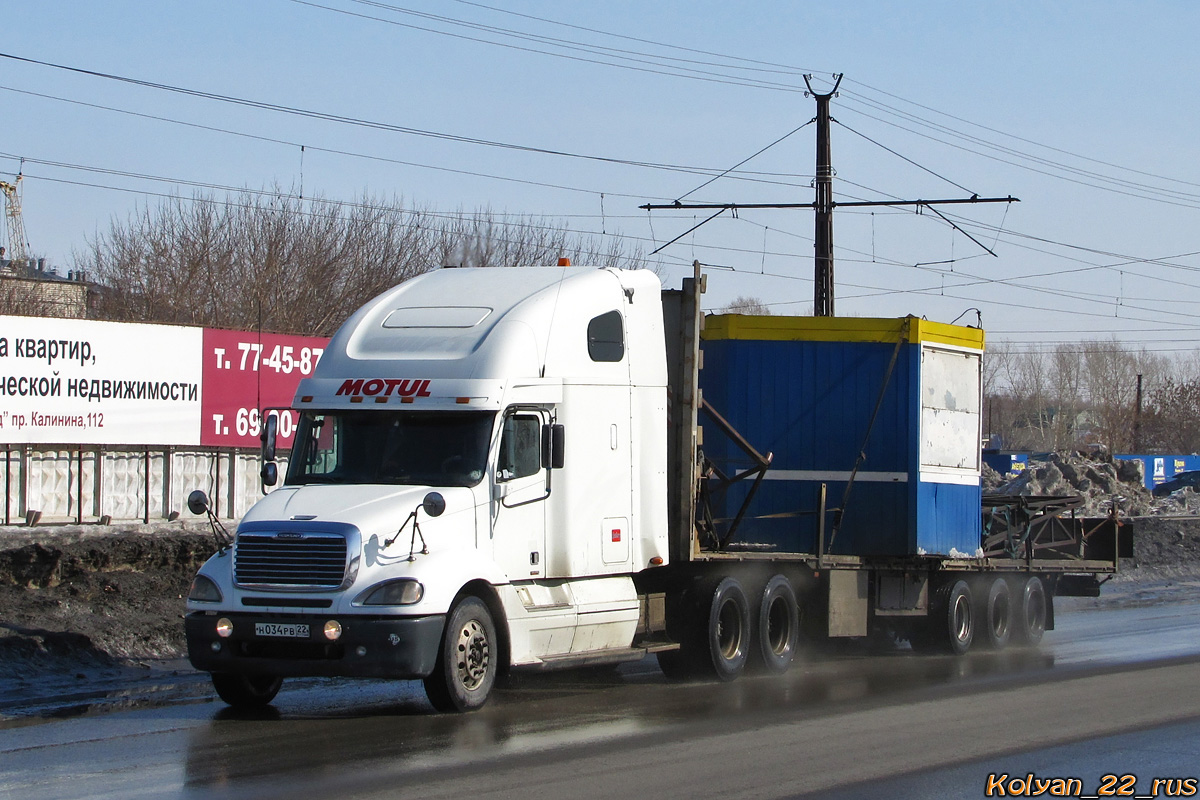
(519, 496)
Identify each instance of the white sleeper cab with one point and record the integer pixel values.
(479, 469)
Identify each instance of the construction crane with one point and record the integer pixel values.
(18, 251)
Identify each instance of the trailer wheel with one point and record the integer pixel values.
(728, 634)
(246, 691)
(951, 623)
(960, 618)
(778, 625)
(993, 611)
(1031, 611)
(467, 659)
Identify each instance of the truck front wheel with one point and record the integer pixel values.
(246, 691)
(467, 660)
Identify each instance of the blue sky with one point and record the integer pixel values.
(1086, 111)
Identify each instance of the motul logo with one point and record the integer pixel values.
(379, 386)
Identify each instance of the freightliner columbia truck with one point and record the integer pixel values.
(543, 467)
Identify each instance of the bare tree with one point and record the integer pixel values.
(1171, 419)
(1074, 396)
(744, 304)
(291, 265)
(1065, 384)
(1110, 383)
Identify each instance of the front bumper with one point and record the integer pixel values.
(369, 647)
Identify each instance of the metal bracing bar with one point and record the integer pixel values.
(737, 520)
(737, 438)
(762, 463)
(836, 204)
(821, 498)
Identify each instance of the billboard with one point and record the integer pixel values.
(246, 372)
(67, 381)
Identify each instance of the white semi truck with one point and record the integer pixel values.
(504, 468)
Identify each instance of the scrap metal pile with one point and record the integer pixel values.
(1100, 483)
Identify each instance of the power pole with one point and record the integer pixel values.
(823, 205)
(1137, 418)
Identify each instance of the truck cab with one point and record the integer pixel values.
(478, 474)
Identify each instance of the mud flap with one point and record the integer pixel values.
(849, 604)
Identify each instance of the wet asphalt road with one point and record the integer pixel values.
(1108, 692)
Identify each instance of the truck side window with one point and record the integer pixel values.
(606, 337)
(520, 447)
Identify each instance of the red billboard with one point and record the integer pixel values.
(244, 372)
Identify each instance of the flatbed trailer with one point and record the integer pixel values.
(1027, 550)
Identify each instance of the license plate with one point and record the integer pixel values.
(286, 630)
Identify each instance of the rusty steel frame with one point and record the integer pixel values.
(711, 471)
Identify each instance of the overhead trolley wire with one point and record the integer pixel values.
(774, 68)
(761, 65)
(343, 119)
(667, 70)
(1017, 137)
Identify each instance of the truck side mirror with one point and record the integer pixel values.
(197, 502)
(553, 446)
(434, 504)
(269, 432)
(269, 473)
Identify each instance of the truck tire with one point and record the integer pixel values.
(1030, 620)
(467, 659)
(951, 624)
(246, 691)
(993, 611)
(778, 625)
(727, 636)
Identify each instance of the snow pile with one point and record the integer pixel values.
(1182, 501)
(1099, 483)
(990, 480)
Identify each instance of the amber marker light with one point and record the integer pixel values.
(656, 561)
(306, 398)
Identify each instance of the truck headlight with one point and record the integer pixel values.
(399, 592)
(204, 590)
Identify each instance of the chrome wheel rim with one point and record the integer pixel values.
(962, 618)
(474, 655)
(729, 630)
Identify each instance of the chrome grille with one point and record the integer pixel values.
(291, 560)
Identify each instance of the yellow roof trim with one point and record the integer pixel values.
(718, 327)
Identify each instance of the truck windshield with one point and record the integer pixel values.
(399, 447)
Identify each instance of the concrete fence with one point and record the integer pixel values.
(96, 484)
